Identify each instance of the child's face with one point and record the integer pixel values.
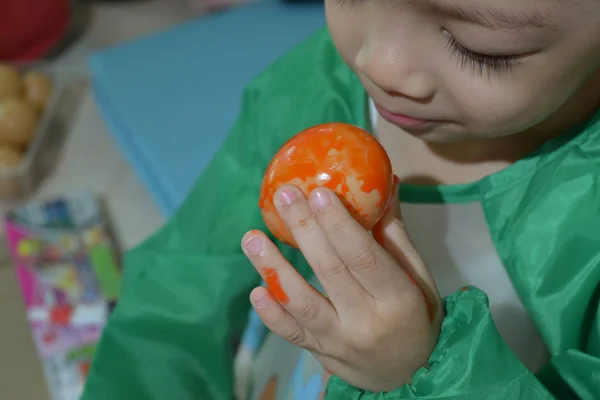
(473, 68)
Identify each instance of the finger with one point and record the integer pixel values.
(397, 243)
(392, 235)
(390, 232)
(391, 212)
(371, 266)
(278, 320)
(337, 281)
(295, 295)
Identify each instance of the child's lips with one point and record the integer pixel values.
(404, 121)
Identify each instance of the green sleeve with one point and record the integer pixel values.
(575, 374)
(471, 361)
(184, 299)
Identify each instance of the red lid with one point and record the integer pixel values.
(30, 29)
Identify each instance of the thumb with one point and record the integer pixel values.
(392, 235)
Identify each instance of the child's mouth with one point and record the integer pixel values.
(404, 121)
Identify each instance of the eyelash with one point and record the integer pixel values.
(477, 62)
(481, 63)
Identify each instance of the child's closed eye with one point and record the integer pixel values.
(481, 63)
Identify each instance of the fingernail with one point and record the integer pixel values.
(258, 300)
(320, 198)
(286, 196)
(252, 246)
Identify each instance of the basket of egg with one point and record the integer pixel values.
(31, 128)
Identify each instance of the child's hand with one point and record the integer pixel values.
(377, 327)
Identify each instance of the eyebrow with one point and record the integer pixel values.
(493, 17)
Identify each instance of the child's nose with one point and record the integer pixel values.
(396, 72)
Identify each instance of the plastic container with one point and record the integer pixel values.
(19, 182)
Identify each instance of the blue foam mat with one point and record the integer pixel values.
(169, 99)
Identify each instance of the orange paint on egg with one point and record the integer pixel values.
(271, 278)
(339, 156)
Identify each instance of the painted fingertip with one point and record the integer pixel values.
(259, 298)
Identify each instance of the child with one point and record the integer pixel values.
(489, 112)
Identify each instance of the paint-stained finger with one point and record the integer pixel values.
(278, 319)
(302, 301)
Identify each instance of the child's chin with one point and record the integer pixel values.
(440, 136)
(451, 134)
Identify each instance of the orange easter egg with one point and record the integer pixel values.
(339, 156)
